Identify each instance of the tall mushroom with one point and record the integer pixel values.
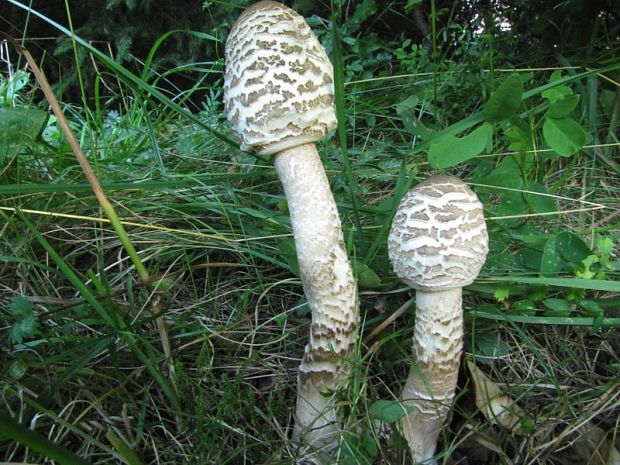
(437, 245)
(278, 93)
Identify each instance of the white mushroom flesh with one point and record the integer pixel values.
(437, 244)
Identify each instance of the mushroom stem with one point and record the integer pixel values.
(430, 386)
(328, 283)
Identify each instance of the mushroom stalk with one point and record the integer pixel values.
(329, 287)
(437, 245)
(430, 386)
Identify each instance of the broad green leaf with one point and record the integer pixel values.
(523, 307)
(563, 107)
(605, 247)
(512, 206)
(367, 278)
(505, 100)
(591, 308)
(551, 263)
(556, 307)
(572, 248)
(364, 10)
(18, 369)
(564, 135)
(584, 270)
(25, 324)
(408, 116)
(539, 203)
(489, 345)
(555, 94)
(520, 137)
(389, 411)
(451, 150)
(20, 126)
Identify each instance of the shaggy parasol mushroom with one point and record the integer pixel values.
(278, 93)
(437, 245)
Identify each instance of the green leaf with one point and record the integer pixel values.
(555, 94)
(572, 248)
(605, 247)
(490, 345)
(512, 206)
(523, 307)
(564, 135)
(25, 325)
(556, 307)
(591, 308)
(17, 370)
(367, 278)
(551, 263)
(505, 100)
(20, 126)
(520, 137)
(558, 92)
(450, 150)
(364, 10)
(584, 271)
(539, 203)
(563, 107)
(501, 293)
(389, 411)
(407, 112)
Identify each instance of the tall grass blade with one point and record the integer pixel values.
(342, 133)
(33, 440)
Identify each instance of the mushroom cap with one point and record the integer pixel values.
(279, 82)
(438, 239)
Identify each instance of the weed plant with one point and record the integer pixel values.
(200, 365)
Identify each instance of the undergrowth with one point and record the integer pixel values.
(200, 366)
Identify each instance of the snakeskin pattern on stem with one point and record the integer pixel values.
(329, 287)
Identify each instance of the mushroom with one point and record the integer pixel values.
(437, 245)
(278, 93)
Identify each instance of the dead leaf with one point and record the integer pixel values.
(595, 447)
(498, 408)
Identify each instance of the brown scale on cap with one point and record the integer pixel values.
(438, 237)
(272, 44)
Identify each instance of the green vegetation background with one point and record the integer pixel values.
(519, 98)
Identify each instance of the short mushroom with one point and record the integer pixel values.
(278, 93)
(437, 245)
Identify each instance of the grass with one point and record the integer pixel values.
(87, 366)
